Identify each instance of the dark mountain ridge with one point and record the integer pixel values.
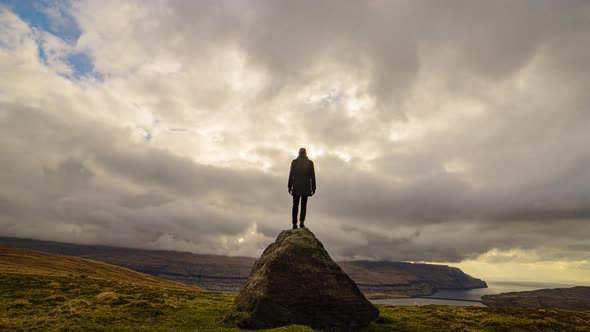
(574, 298)
(228, 274)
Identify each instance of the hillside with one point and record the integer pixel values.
(219, 273)
(30, 262)
(574, 298)
(74, 303)
(40, 291)
(223, 273)
(407, 278)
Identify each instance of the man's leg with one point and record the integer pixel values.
(295, 208)
(303, 210)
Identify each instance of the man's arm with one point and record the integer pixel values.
(313, 184)
(290, 183)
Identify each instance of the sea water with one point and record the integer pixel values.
(471, 297)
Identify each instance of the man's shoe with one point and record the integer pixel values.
(294, 226)
(301, 225)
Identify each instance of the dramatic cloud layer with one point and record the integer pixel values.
(441, 131)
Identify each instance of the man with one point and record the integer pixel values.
(301, 185)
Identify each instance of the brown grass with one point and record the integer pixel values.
(106, 298)
(30, 262)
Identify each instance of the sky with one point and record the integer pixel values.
(451, 132)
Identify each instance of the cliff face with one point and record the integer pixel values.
(408, 278)
(296, 282)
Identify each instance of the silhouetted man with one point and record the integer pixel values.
(301, 184)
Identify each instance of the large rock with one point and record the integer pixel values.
(296, 282)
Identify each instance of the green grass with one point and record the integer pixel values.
(77, 303)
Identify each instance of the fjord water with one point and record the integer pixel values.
(425, 301)
(472, 296)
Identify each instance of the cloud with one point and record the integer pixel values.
(440, 131)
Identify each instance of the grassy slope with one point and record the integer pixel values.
(24, 261)
(75, 303)
(52, 292)
(229, 273)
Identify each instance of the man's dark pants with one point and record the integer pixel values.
(296, 207)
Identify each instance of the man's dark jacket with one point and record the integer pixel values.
(302, 176)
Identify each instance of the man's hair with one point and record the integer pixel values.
(302, 152)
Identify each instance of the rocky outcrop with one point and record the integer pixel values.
(296, 282)
(575, 298)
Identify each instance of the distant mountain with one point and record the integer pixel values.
(30, 262)
(574, 298)
(409, 279)
(228, 274)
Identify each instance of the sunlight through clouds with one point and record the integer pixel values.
(172, 125)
